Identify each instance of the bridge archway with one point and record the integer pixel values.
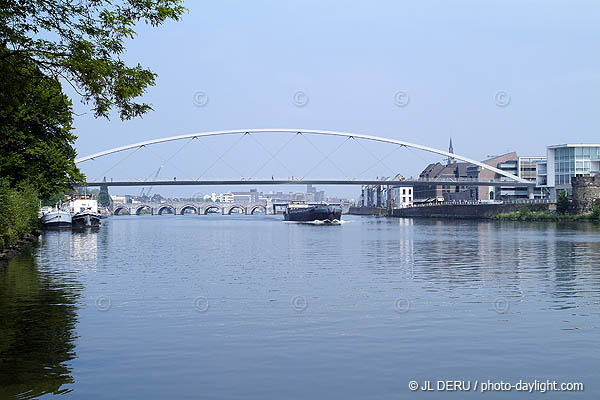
(206, 210)
(188, 207)
(253, 209)
(304, 132)
(164, 208)
(235, 207)
(121, 210)
(143, 207)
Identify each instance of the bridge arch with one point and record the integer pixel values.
(162, 209)
(188, 207)
(119, 210)
(143, 207)
(212, 207)
(259, 207)
(303, 132)
(235, 207)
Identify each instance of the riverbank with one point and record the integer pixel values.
(19, 222)
(526, 215)
(13, 249)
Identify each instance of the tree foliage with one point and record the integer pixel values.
(82, 42)
(35, 121)
(103, 196)
(562, 202)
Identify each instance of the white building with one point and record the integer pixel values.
(118, 199)
(563, 162)
(225, 197)
(403, 196)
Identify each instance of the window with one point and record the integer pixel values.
(586, 152)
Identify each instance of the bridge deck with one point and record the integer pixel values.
(311, 182)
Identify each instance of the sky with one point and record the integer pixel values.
(494, 76)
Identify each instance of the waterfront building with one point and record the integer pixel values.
(118, 199)
(565, 161)
(451, 170)
(439, 192)
(521, 166)
(371, 196)
(386, 196)
(245, 197)
(225, 197)
(402, 196)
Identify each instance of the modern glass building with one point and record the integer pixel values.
(564, 161)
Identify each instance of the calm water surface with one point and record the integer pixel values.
(229, 307)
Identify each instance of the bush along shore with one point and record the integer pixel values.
(526, 215)
(19, 223)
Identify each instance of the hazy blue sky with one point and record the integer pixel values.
(350, 58)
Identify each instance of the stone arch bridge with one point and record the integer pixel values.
(191, 207)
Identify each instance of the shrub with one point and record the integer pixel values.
(18, 212)
(562, 202)
(596, 213)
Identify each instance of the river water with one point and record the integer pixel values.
(229, 307)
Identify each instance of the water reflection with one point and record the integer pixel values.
(481, 298)
(37, 330)
(519, 259)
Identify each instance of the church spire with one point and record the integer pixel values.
(450, 150)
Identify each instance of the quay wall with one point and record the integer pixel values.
(367, 211)
(467, 211)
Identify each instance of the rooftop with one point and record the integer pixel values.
(558, 146)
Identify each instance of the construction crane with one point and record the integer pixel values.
(154, 178)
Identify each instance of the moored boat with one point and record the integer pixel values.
(84, 210)
(301, 212)
(86, 219)
(55, 218)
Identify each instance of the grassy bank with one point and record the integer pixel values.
(18, 212)
(526, 215)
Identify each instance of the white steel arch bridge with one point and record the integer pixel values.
(286, 131)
